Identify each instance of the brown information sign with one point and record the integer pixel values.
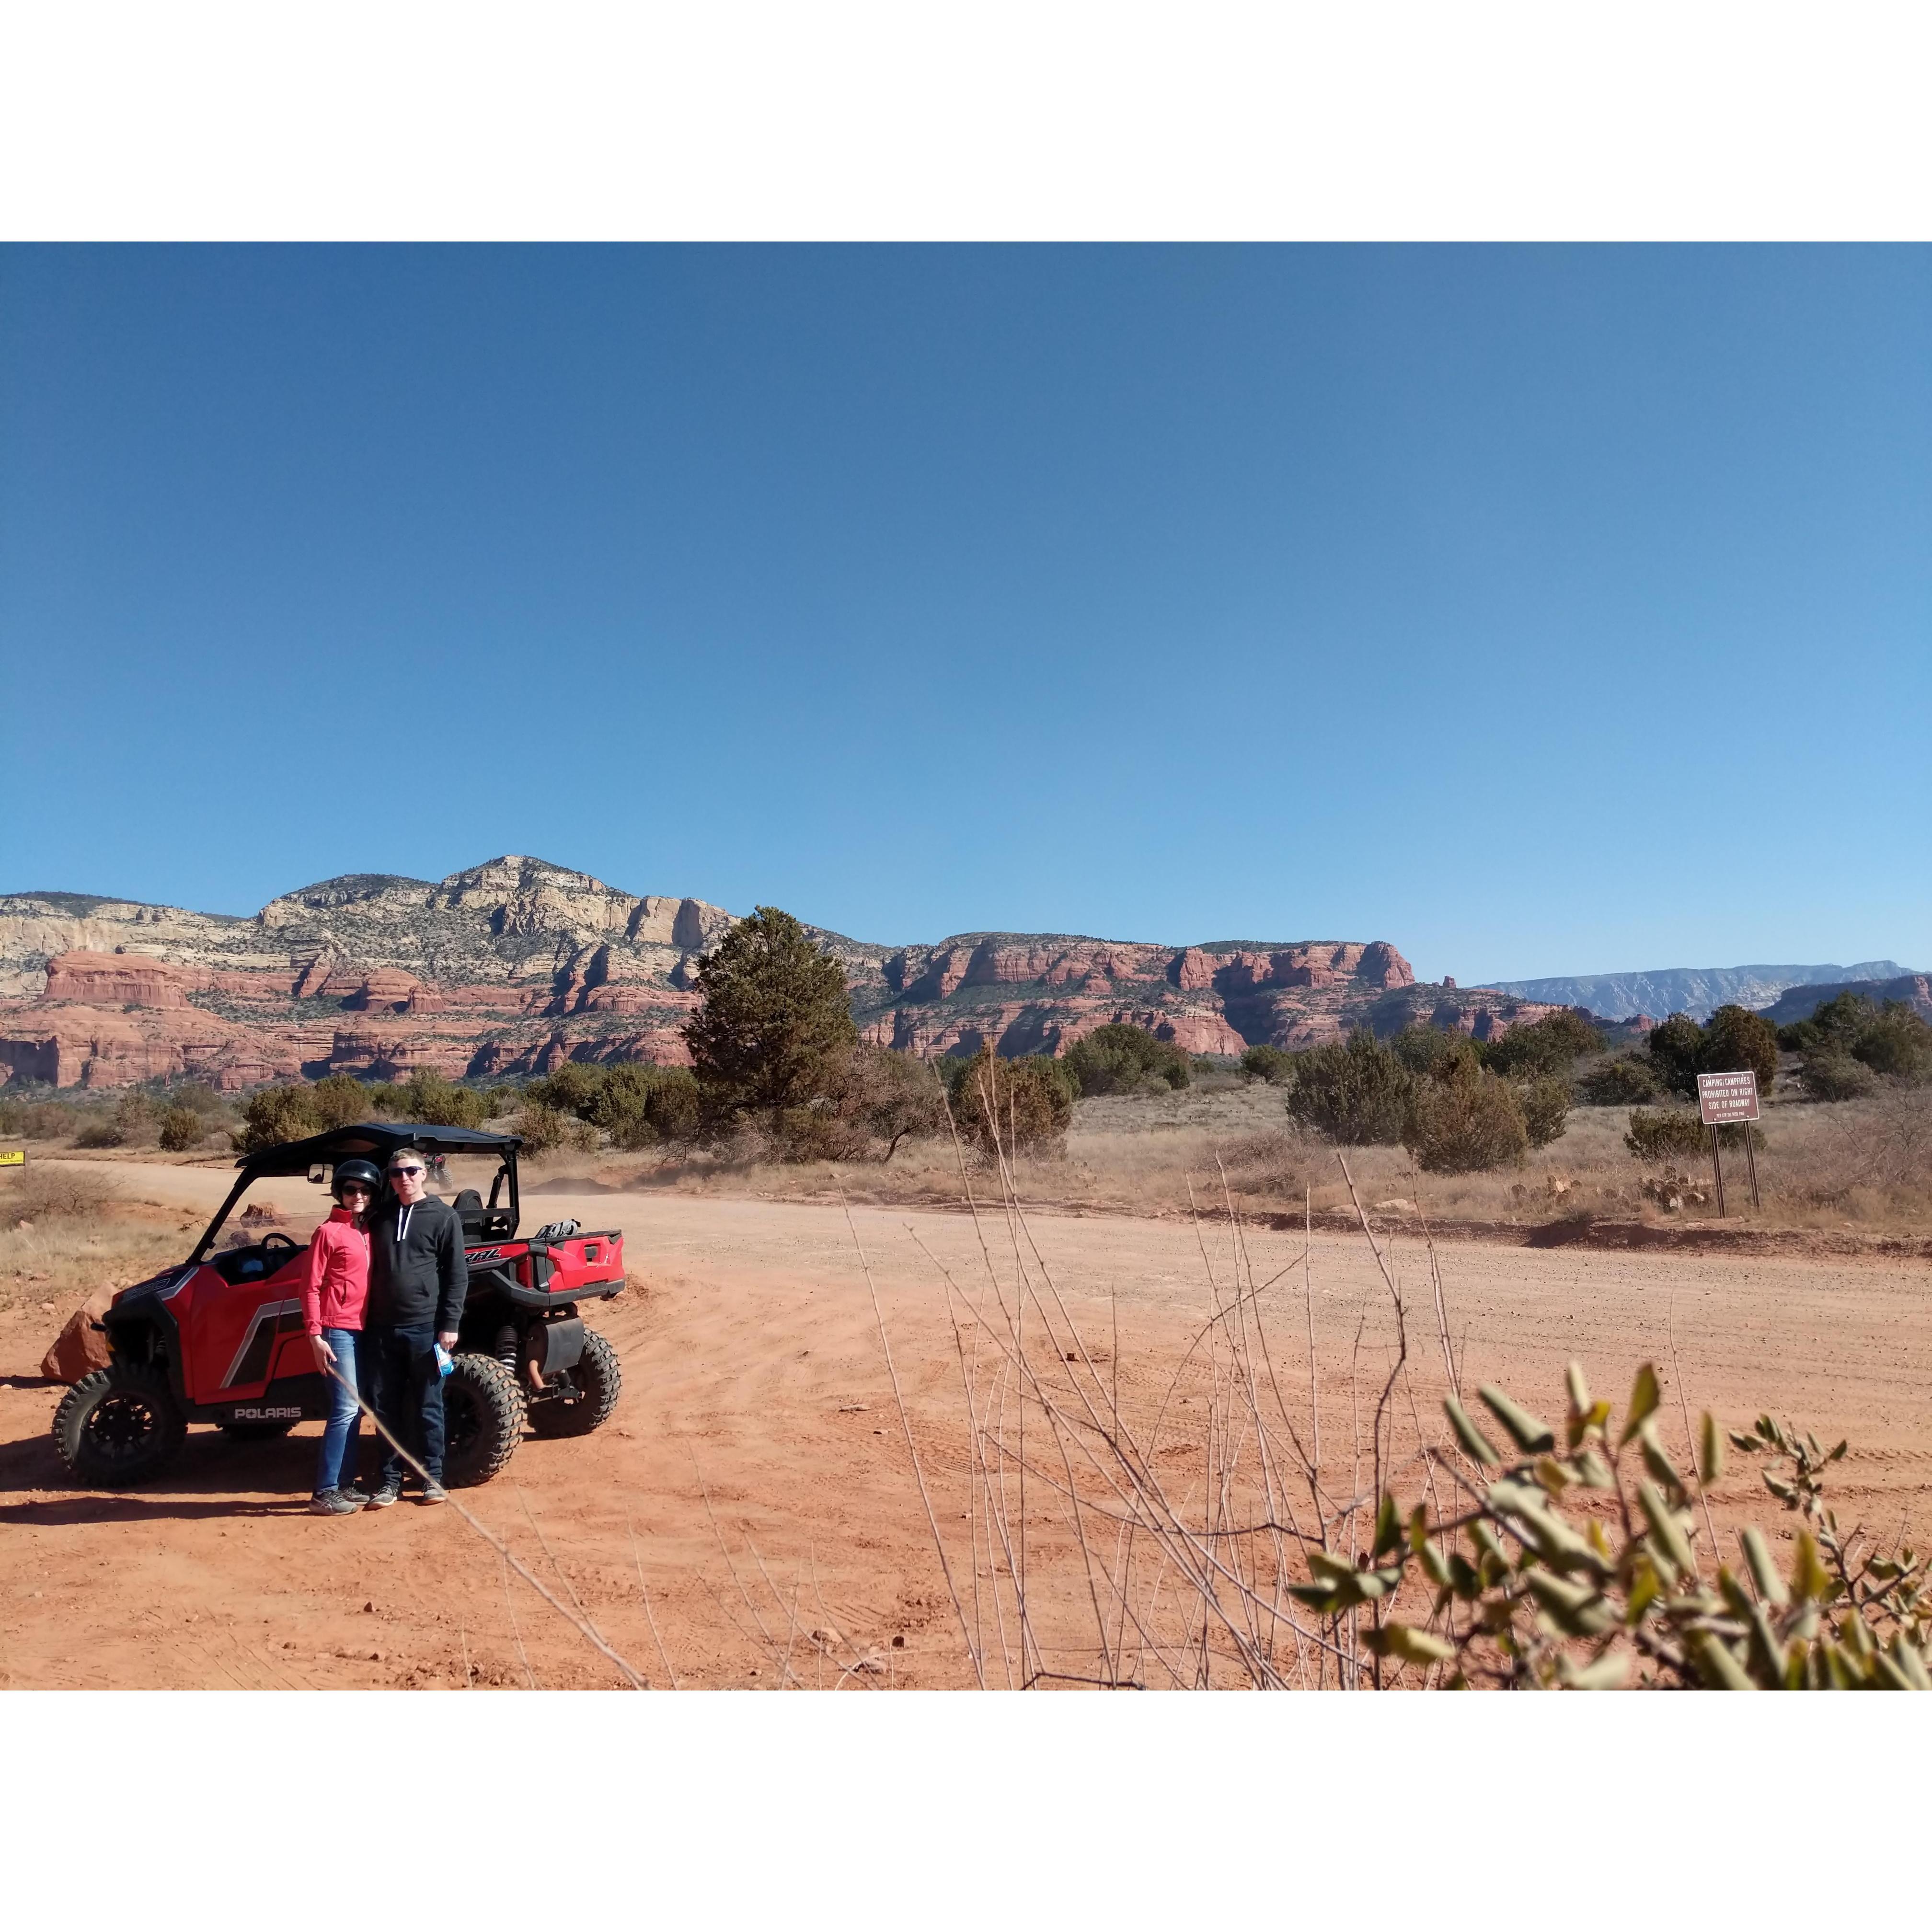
(1722, 1098)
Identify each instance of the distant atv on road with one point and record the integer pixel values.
(219, 1338)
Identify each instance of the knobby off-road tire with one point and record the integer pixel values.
(482, 1419)
(118, 1425)
(599, 1381)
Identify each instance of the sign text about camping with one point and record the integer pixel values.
(1725, 1097)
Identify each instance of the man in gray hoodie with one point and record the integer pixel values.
(418, 1275)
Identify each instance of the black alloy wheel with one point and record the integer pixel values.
(120, 1424)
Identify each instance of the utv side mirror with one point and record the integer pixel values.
(319, 1173)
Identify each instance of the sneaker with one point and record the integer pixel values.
(352, 1496)
(331, 1502)
(434, 1492)
(382, 1498)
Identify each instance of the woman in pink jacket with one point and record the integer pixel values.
(335, 1291)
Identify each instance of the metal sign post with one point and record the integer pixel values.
(1725, 1100)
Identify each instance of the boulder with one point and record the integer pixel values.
(80, 1347)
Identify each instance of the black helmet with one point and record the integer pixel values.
(355, 1170)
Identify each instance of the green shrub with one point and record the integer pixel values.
(275, 1114)
(201, 1098)
(1119, 1059)
(431, 1101)
(1547, 1045)
(1463, 1119)
(341, 1100)
(774, 1031)
(182, 1128)
(1835, 1076)
(639, 1104)
(545, 1129)
(1849, 1032)
(1356, 1092)
(1674, 1046)
(1270, 1063)
(1834, 1023)
(35, 1120)
(1734, 1040)
(1666, 1135)
(575, 1086)
(1541, 1593)
(1031, 1099)
(1897, 1042)
(674, 1109)
(1621, 1082)
(1545, 1102)
(1422, 1048)
(131, 1122)
(1737, 1040)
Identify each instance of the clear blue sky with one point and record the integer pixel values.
(1538, 610)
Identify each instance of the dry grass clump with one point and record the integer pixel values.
(38, 1193)
(81, 1233)
(1867, 1161)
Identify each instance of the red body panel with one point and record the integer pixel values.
(232, 1329)
(586, 1260)
(583, 1261)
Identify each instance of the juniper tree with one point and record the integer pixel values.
(774, 1032)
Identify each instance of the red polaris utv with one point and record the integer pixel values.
(219, 1338)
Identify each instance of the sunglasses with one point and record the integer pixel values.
(356, 1187)
(405, 1170)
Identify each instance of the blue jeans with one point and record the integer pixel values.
(336, 1465)
(406, 1392)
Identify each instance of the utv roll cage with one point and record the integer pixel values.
(377, 1141)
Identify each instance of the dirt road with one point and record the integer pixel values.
(755, 1481)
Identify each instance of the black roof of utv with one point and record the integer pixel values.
(372, 1140)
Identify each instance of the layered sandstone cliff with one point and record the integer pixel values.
(503, 968)
(511, 967)
(1035, 992)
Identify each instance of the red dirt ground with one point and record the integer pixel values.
(754, 1478)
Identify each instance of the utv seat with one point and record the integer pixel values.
(470, 1211)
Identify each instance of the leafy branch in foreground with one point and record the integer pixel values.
(1529, 1592)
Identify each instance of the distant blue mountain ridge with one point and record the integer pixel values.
(1698, 991)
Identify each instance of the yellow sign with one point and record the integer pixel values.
(16, 1158)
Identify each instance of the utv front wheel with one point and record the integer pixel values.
(597, 1381)
(119, 1425)
(482, 1419)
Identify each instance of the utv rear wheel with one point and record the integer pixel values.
(482, 1419)
(119, 1425)
(597, 1381)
